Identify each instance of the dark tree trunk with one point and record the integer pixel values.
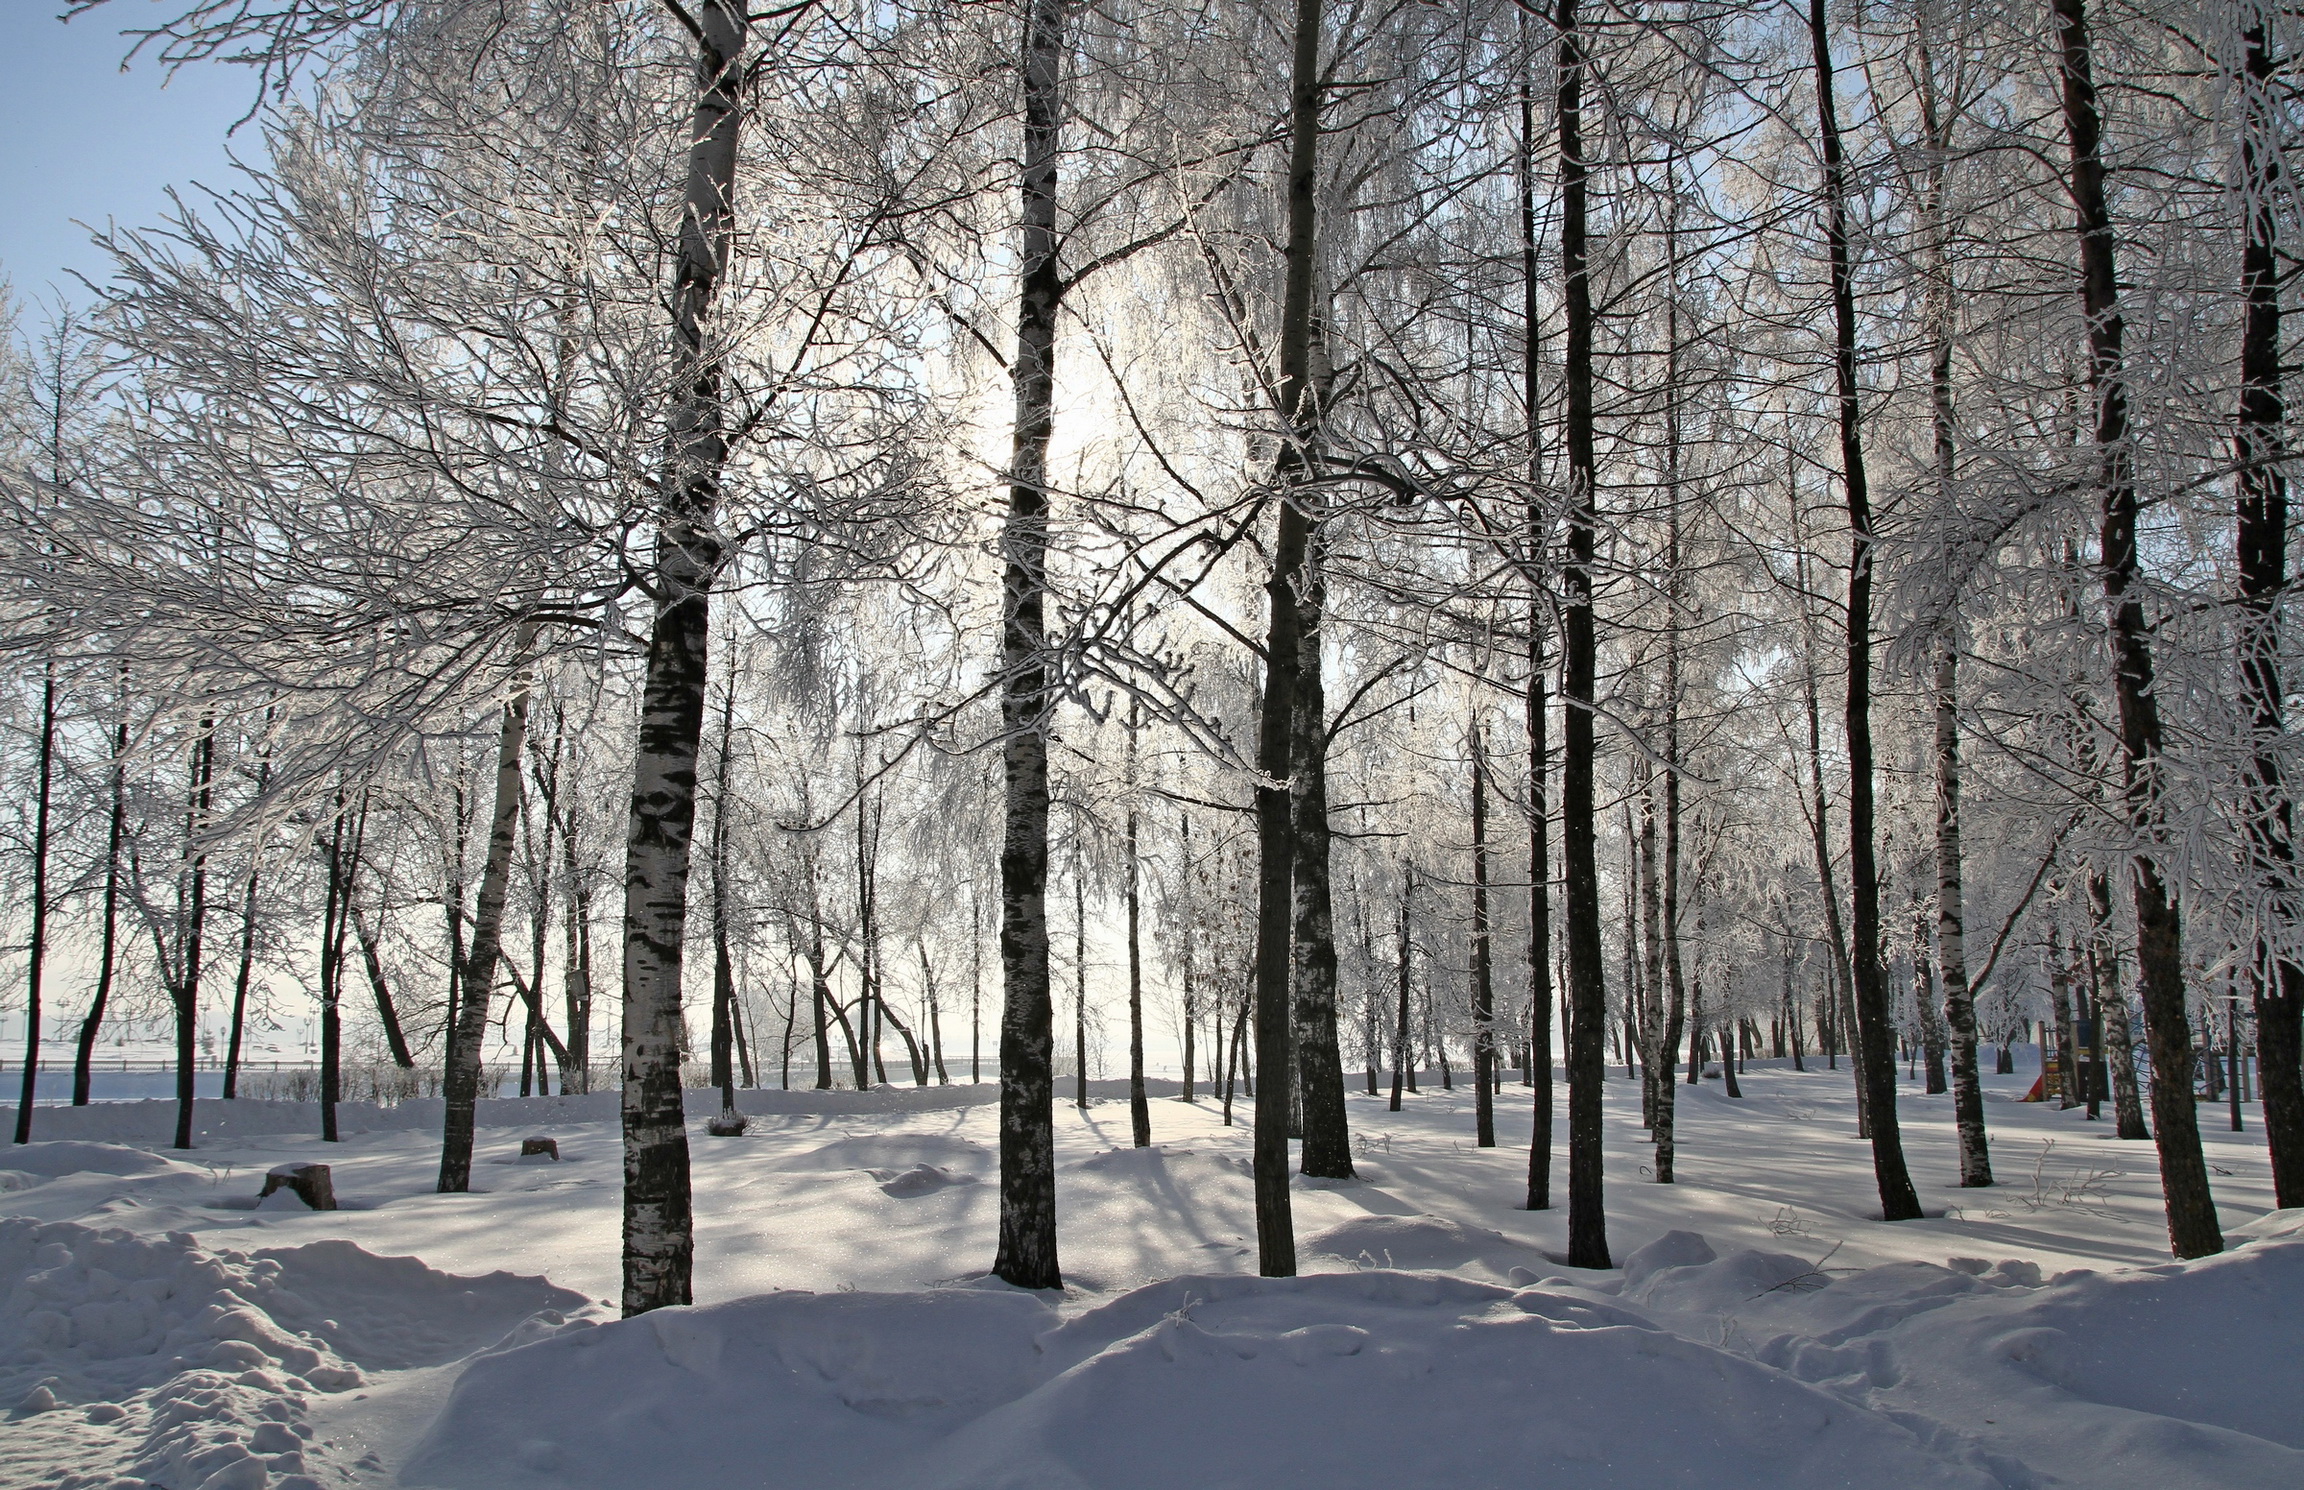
(1079, 982)
(1483, 970)
(576, 919)
(343, 860)
(1283, 657)
(2263, 554)
(107, 956)
(723, 965)
(461, 1085)
(185, 987)
(2192, 1226)
(1539, 926)
(37, 951)
(1587, 979)
(1403, 1058)
(1875, 1060)
(819, 980)
(1139, 1107)
(1327, 1150)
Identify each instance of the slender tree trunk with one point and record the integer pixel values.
(935, 1018)
(2192, 1226)
(1027, 1248)
(819, 979)
(1951, 934)
(107, 956)
(2060, 1006)
(485, 950)
(576, 919)
(452, 898)
(1483, 970)
(1079, 982)
(333, 916)
(723, 966)
(1191, 948)
(186, 985)
(37, 958)
(2119, 1042)
(1139, 1108)
(975, 987)
(1668, 912)
(1587, 979)
(1319, 1070)
(1875, 1060)
(1404, 1059)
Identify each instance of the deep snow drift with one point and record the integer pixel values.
(1761, 1330)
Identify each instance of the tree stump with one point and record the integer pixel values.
(729, 1124)
(311, 1182)
(550, 1148)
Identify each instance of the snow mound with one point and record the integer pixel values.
(1311, 1381)
(182, 1365)
(1674, 1249)
(920, 1179)
(1413, 1242)
(820, 1385)
(49, 1160)
(2184, 1374)
(1300, 1381)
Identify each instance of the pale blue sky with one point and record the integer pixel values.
(81, 139)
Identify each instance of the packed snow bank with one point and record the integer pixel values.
(49, 1160)
(1738, 1369)
(192, 1368)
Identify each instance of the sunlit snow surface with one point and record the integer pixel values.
(1762, 1330)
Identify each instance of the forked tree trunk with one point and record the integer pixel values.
(461, 1086)
(1283, 656)
(1027, 1247)
(1875, 1059)
(1587, 978)
(2192, 1226)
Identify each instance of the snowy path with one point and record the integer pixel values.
(1628, 1378)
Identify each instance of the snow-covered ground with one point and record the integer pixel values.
(1763, 1328)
